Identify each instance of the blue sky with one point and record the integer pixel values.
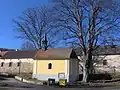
(11, 9)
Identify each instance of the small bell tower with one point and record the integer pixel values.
(44, 42)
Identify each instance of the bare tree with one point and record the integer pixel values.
(88, 24)
(27, 46)
(34, 24)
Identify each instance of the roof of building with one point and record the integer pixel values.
(2, 53)
(56, 54)
(6, 49)
(108, 50)
(102, 50)
(59, 53)
(19, 54)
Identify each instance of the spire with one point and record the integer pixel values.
(44, 42)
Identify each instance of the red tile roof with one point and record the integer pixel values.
(55, 53)
(19, 54)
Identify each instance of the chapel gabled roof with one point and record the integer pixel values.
(55, 54)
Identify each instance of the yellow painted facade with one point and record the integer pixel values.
(35, 67)
(41, 67)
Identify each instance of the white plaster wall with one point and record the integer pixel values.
(113, 64)
(113, 60)
(26, 66)
(45, 77)
(74, 70)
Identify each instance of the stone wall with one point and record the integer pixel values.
(112, 65)
(25, 66)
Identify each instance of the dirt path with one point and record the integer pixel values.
(12, 84)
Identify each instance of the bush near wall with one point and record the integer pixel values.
(102, 76)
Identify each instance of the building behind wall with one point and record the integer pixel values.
(107, 59)
(3, 51)
(14, 62)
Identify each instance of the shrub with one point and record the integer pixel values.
(101, 76)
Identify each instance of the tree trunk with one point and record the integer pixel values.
(87, 67)
(90, 63)
(85, 74)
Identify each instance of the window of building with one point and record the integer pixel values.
(2, 64)
(10, 64)
(50, 66)
(0, 56)
(18, 64)
(105, 62)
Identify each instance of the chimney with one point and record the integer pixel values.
(16, 49)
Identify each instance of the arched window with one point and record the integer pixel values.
(2, 64)
(50, 66)
(10, 64)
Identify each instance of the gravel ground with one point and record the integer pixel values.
(12, 84)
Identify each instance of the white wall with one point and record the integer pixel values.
(74, 70)
(26, 66)
(112, 60)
